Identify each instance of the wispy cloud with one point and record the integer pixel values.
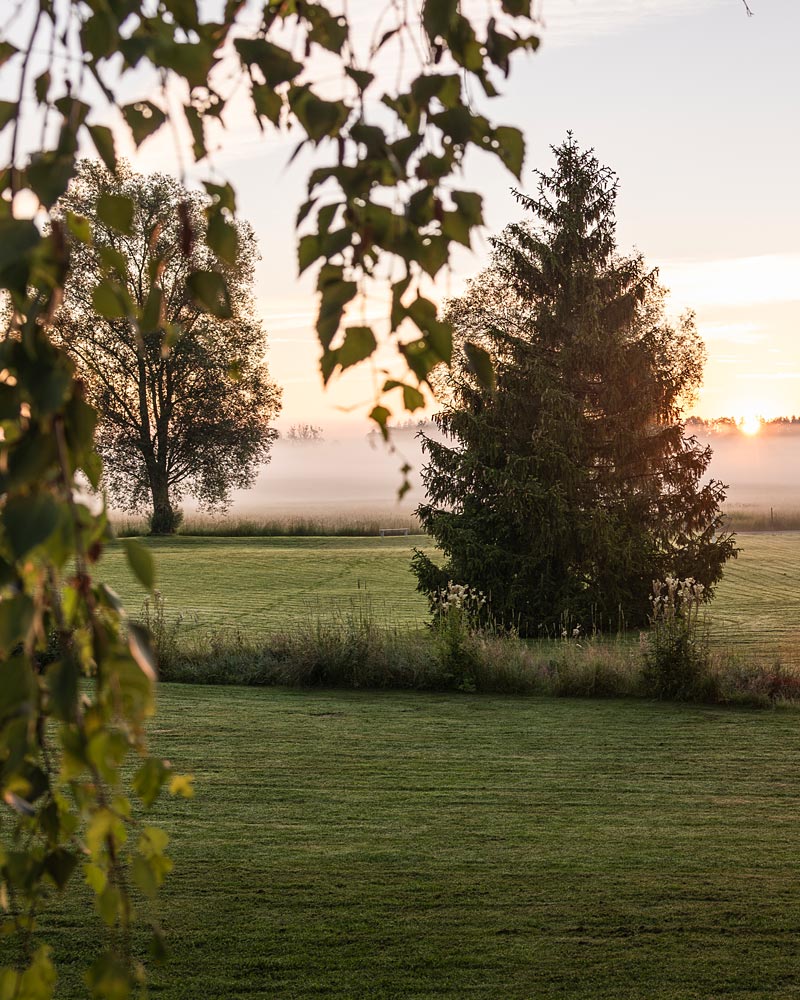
(738, 281)
(731, 333)
(571, 22)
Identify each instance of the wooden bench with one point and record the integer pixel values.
(392, 531)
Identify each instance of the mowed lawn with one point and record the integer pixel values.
(360, 845)
(263, 584)
(260, 584)
(758, 601)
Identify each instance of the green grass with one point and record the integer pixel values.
(357, 845)
(757, 607)
(262, 584)
(341, 524)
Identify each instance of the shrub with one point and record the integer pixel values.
(676, 649)
(458, 610)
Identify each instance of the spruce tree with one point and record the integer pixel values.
(565, 491)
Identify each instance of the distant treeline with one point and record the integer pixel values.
(729, 425)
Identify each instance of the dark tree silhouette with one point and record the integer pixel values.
(185, 408)
(572, 485)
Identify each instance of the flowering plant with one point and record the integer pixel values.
(676, 649)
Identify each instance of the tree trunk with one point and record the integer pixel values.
(164, 519)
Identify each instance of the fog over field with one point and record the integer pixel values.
(334, 477)
(762, 471)
(359, 475)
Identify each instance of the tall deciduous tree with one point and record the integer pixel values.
(569, 487)
(185, 401)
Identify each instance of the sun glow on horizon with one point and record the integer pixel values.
(750, 424)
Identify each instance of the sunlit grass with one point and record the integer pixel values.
(262, 584)
(392, 846)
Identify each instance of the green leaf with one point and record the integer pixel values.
(470, 205)
(196, 125)
(480, 362)
(381, 416)
(29, 521)
(511, 149)
(517, 8)
(62, 683)
(419, 357)
(433, 254)
(152, 315)
(222, 195)
(335, 296)
(143, 119)
(456, 227)
(361, 78)
(141, 649)
(319, 118)
(116, 211)
(107, 978)
(267, 102)
(7, 50)
(149, 780)
(18, 237)
(103, 139)
(16, 619)
(308, 250)
(223, 238)
(191, 60)
(412, 397)
(108, 301)
(8, 112)
(59, 865)
(140, 559)
(210, 291)
(41, 86)
(79, 227)
(49, 174)
(359, 343)
(326, 29)
(437, 17)
(100, 33)
(275, 63)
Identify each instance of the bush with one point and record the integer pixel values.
(164, 522)
(457, 616)
(677, 658)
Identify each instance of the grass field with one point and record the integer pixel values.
(385, 846)
(758, 602)
(260, 584)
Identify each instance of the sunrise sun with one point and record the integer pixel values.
(750, 424)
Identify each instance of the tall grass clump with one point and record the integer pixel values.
(339, 525)
(457, 613)
(459, 653)
(676, 652)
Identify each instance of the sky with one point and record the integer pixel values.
(692, 103)
(696, 106)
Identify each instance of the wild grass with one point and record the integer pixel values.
(406, 846)
(756, 517)
(338, 525)
(352, 650)
(259, 610)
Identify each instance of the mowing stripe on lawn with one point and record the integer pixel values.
(263, 584)
(354, 845)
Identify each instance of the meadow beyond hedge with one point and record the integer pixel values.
(260, 585)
